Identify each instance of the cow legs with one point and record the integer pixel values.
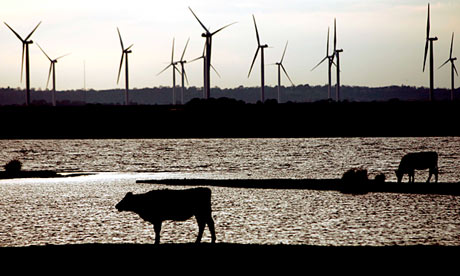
(212, 229)
(157, 228)
(435, 172)
(202, 224)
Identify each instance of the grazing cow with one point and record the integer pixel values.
(418, 161)
(159, 205)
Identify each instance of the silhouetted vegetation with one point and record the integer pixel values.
(163, 95)
(13, 167)
(355, 180)
(380, 178)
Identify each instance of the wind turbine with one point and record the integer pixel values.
(124, 54)
(280, 66)
(25, 48)
(330, 58)
(183, 74)
(451, 59)
(262, 71)
(207, 59)
(337, 54)
(430, 41)
(53, 70)
(173, 64)
(203, 56)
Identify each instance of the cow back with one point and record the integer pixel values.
(174, 204)
(419, 161)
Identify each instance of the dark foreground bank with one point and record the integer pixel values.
(222, 258)
(318, 184)
(219, 118)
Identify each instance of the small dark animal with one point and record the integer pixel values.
(418, 161)
(159, 205)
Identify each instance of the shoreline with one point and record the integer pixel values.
(224, 120)
(441, 188)
(39, 174)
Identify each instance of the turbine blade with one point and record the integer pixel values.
(49, 75)
(335, 35)
(195, 59)
(33, 31)
(444, 64)
(215, 70)
(428, 23)
(202, 25)
(121, 64)
(44, 52)
(63, 56)
(327, 45)
(185, 75)
(257, 32)
(426, 53)
(22, 60)
(455, 69)
(254, 60)
(204, 49)
(121, 40)
(20, 38)
(332, 62)
(185, 48)
(284, 52)
(319, 63)
(451, 45)
(172, 55)
(287, 75)
(164, 69)
(223, 28)
(175, 68)
(129, 47)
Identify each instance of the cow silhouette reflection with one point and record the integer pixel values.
(418, 161)
(179, 205)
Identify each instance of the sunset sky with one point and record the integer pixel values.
(383, 40)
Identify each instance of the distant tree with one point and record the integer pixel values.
(13, 167)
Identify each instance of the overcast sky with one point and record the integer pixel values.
(383, 40)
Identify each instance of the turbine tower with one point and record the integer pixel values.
(262, 72)
(25, 49)
(330, 59)
(451, 59)
(203, 56)
(280, 66)
(124, 54)
(207, 59)
(337, 54)
(429, 43)
(173, 64)
(53, 70)
(183, 73)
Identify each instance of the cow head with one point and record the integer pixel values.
(124, 204)
(399, 175)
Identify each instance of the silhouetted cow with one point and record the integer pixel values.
(159, 205)
(418, 161)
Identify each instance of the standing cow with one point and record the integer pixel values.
(418, 161)
(180, 205)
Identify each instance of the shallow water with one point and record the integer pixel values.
(81, 209)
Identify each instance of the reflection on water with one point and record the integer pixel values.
(81, 209)
(234, 158)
